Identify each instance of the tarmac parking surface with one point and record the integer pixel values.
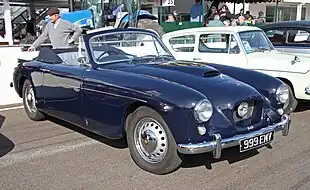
(55, 155)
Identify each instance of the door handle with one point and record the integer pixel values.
(196, 59)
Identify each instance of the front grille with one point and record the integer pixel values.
(232, 114)
(255, 107)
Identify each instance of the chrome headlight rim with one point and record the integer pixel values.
(239, 111)
(282, 94)
(197, 112)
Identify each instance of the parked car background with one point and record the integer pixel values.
(289, 36)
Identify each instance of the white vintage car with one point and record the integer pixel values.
(242, 46)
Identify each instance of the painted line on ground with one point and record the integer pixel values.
(19, 157)
(11, 108)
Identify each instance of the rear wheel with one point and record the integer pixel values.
(151, 144)
(29, 101)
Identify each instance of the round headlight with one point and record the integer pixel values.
(243, 109)
(282, 94)
(203, 110)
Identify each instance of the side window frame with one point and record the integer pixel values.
(233, 36)
(227, 36)
(189, 45)
(284, 30)
(296, 43)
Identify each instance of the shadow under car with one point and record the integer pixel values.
(6, 145)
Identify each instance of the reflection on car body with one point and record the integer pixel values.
(162, 106)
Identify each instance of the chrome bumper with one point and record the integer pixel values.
(218, 144)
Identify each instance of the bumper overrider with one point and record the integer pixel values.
(218, 144)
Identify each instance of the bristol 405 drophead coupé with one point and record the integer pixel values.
(125, 82)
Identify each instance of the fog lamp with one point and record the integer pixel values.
(201, 129)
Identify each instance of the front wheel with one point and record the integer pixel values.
(29, 101)
(151, 144)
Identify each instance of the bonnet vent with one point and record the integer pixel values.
(211, 74)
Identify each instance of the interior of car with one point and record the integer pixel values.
(69, 56)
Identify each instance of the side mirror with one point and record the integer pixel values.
(83, 62)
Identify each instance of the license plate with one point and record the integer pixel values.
(255, 142)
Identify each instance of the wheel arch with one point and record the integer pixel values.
(288, 82)
(133, 107)
(159, 108)
(21, 84)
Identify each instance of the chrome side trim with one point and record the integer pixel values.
(111, 94)
(218, 144)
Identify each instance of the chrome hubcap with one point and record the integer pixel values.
(30, 100)
(150, 140)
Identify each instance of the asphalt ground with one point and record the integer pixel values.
(55, 155)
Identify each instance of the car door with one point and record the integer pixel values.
(219, 48)
(62, 88)
(103, 103)
(103, 99)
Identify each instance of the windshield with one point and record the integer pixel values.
(255, 41)
(131, 45)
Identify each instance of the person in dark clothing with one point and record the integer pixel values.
(225, 13)
(240, 13)
(31, 24)
(248, 15)
(211, 14)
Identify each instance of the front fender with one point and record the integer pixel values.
(32, 71)
(173, 101)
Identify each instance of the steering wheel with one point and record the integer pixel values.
(107, 52)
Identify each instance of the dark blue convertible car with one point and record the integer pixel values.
(124, 82)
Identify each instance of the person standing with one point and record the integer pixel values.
(196, 12)
(57, 31)
(241, 21)
(215, 22)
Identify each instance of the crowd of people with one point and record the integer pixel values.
(220, 16)
(214, 17)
